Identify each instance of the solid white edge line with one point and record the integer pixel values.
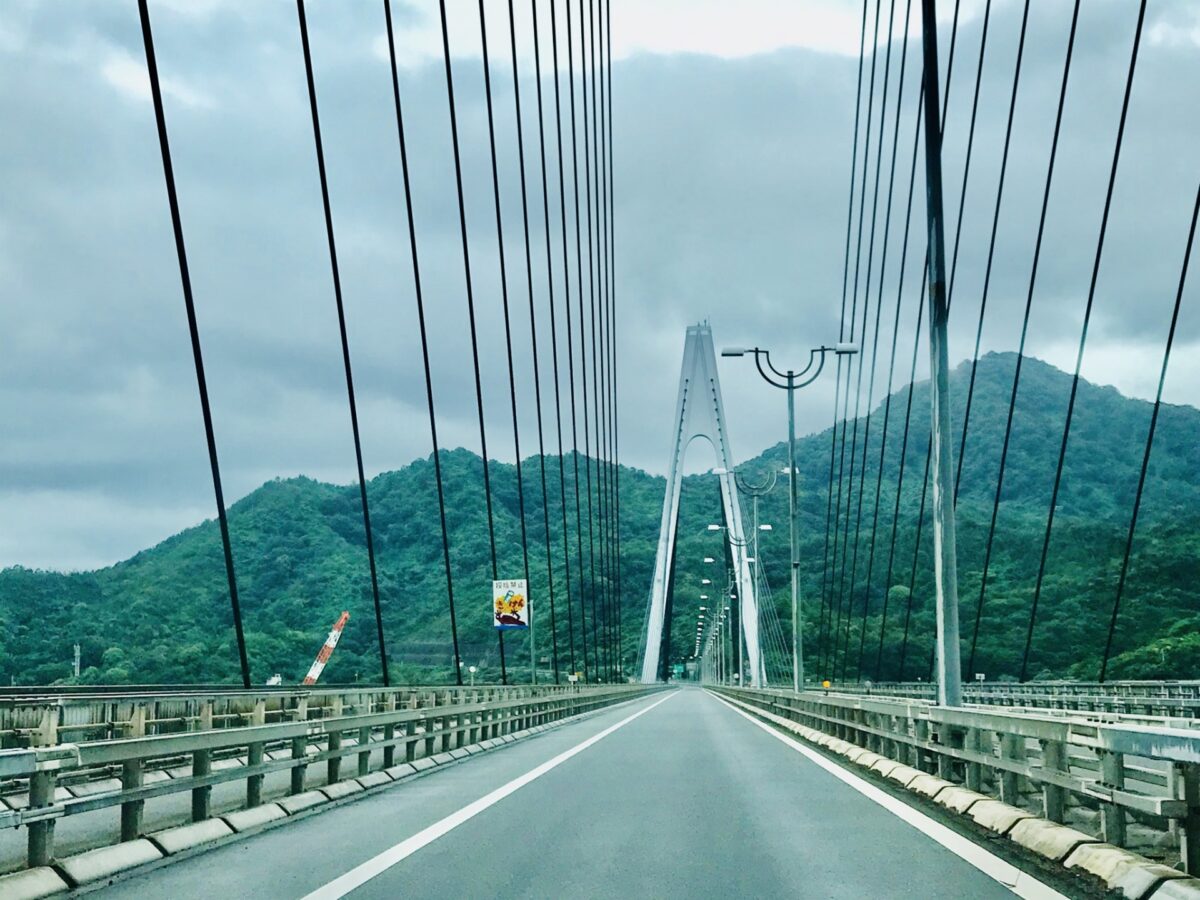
(1016, 880)
(383, 861)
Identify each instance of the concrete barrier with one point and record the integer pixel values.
(374, 779)
(32, 884)
(299, 802)
(1182, 889)
(184, 837)
(957, 798)
(98, 865)
(245, 819)
(1048, 839)
(340, 789)
(996, 816)
(1140, 881)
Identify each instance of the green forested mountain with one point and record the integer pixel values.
(163, 615)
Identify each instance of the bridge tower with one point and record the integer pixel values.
(699, 414)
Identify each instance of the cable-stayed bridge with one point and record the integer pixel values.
(763, 753)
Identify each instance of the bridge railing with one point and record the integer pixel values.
(48, 781)
(1131, 784)
(1146, 698)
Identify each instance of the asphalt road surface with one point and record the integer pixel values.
(688, 799)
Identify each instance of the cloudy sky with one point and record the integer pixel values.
(733, 133)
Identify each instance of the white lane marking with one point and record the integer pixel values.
(1016, 880)
(378, 864)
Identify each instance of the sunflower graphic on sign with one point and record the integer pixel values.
(510, 604)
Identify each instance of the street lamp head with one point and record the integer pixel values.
(846, 347)
(764, 528)
(714, 527)
(709, 559)
(733, 351)
(706, 581)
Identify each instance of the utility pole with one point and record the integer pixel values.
(945, 562)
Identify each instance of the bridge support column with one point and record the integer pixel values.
(699, 413)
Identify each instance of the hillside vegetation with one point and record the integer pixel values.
(163, 615)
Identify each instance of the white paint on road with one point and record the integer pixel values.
(1016, 880)
(380, 863)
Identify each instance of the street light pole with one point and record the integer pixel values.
(791, 382)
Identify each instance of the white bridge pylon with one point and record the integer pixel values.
(699, 414)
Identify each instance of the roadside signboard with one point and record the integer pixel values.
(510, 605)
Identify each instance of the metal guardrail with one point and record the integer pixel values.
(413, 722)
(1145, 698)
(1142, 780)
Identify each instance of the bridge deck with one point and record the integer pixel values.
(688, 799)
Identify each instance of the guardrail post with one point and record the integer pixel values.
(254, 756)
(333, 765)
(299, 750)
(921, 733)
(948, 737)
(1012, 748)
(1112, 815)
(389, 733)
(1054, 759)
(430, 703)
(364, 757)
(974, 743)
(40, 847)
(1189, 836)
(410, 730)
(201, 766)
(131, 777)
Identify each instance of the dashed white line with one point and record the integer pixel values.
(380, 863)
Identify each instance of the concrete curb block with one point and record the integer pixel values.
(183, 837)
(32, 884)
(341, 789)
(374, 779)
(1141, 881)
(96, 865)
(425, 762)
(474, 749)
(998, 817)
(885, 766)
(1048, 839)
(904, 775)
(1105, 861)
(297, 802)
(403, 770)
(460, 753)
(929, 785)
(958, 798)
(1178, 889)
(442, 758)
(245, 819)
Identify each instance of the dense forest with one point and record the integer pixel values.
(163, 615)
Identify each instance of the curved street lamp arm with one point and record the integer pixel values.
(758, 354)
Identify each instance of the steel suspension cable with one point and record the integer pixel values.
(887, 69)
(512, 379)
(341, 314)
(1087, 315)
(612, 228)
(583, 367)
(533, 341)
(420, 299)
(912, 175)
(466, 251)
(887, 230)
(844, 535)
(826, 587)
(185, 279)
(562, 204)
(1012, 400)
(562, 475)
(987, 277)
(1137, 500)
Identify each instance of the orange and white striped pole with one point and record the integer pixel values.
(326, 651)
